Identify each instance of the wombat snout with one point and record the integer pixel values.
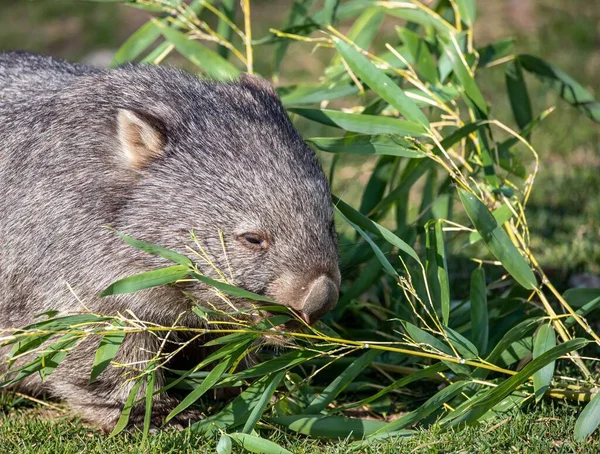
(311, 297)
(322, 296)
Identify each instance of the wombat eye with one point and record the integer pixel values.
(254, 241)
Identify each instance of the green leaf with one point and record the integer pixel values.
(516, 333)
(146, 280)
(380, 83)
(137, 43)
(227, 351)
(426, 339)
(465, 76)
(126, 411)
(66, 322)
(148, 404)
(364, 124)
(378, 182)
(211, 379)
(462, 345)
(297, 16)
(371, 226)
(363, 30)
(329, 426)
(381, 144)
(167, 254)
(257, 444)
(228, 8)
(518, 94)
(330, 10)
(478, 407)
(589, 419)
(495, 51)
(109, 346)
(341, 382)
(438, 267)
(385, 263)
(410, 175)
(401, 382)
(567, 87)
(544, 340)
(425, 409)
(315, 94)
(236, 412)
(467, 10)
(479, 310)
(585, 309)
(210, 62)
(230, 289)
(411, 13)
(579, 297)
(497, 240)
(224, 445)
(261, 404)
(501, 214)
(421, 56)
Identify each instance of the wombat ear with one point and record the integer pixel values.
(257, 83)
(142, 137)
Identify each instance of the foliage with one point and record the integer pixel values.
(447, 197)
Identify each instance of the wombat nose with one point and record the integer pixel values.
(322, 296)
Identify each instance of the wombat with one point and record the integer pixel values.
(154, 152)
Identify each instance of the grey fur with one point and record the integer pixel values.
(232, 163)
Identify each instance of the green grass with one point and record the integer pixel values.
(547, 429)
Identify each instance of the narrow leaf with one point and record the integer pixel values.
(210, 62)
(364, 124)
(137, 43)
(518, 94)
(589, 419)
(380, 83)
(109, 346)
(329, 426)
(256, 444)
(149, 279)
(341, 382)
(262, 403)
(544, 340)
(479, 310)
(497, 240)
(381, 144)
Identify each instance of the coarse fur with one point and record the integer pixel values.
(153, 152)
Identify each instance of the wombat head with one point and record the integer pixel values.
(224, 160)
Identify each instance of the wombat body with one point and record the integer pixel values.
(153, 152)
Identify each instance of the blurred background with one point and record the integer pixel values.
(564, 213)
